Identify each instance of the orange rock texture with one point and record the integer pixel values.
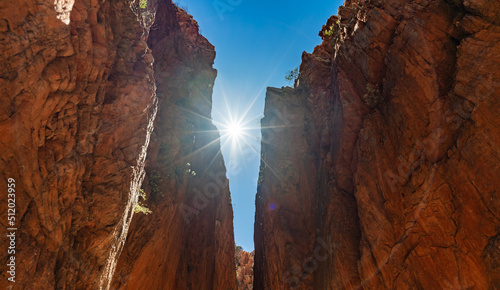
(78, 101)
(187, 241)
(244, 269)
(380, 167)
(80, 83)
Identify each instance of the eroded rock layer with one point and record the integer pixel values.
(380, 167)
(77, 90)
(244, 269)
(187, 241)
(78, 83)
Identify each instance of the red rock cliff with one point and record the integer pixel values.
(78, 102)
(244, 269)
(187, 241)
(382, 171)
(78, 83)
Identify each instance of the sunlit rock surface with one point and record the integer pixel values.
(383, 170)
(244, 269)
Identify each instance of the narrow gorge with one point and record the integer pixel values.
(379, 167)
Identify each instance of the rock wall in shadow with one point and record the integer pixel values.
(187, 241)
(379, 167)
(80, 83)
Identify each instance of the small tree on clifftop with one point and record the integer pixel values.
(292, 75)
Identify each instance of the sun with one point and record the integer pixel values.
(238, 127)
(235, 130)
(236, 133)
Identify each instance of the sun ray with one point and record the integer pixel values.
(241, 133)
(201, 148)
(194, 113)
(281, 126)
(249, 107)
(267, 164)
(206, 131)
(212, 161)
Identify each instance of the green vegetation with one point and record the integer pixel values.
(181, 171)
(143, 4)
(189, 170)
(238, 249)
(139, 207)
(333, 30)
(329, 32)
(292, 75)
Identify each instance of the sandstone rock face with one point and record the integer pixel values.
(187, 241)
(78, 83)
(76, 114)
(380, 167)
(244, 269)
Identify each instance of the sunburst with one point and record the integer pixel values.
(235, 130)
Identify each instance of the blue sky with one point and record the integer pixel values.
(256, 43)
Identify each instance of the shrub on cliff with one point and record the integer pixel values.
(139, 207)
(292, 75)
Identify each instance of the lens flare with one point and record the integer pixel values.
(235, 130)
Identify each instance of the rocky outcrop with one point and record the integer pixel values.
(78, 84)
(187, 241)
(379, 168)
(77, 107)
(244, 269)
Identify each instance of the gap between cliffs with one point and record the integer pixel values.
(385, 175)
